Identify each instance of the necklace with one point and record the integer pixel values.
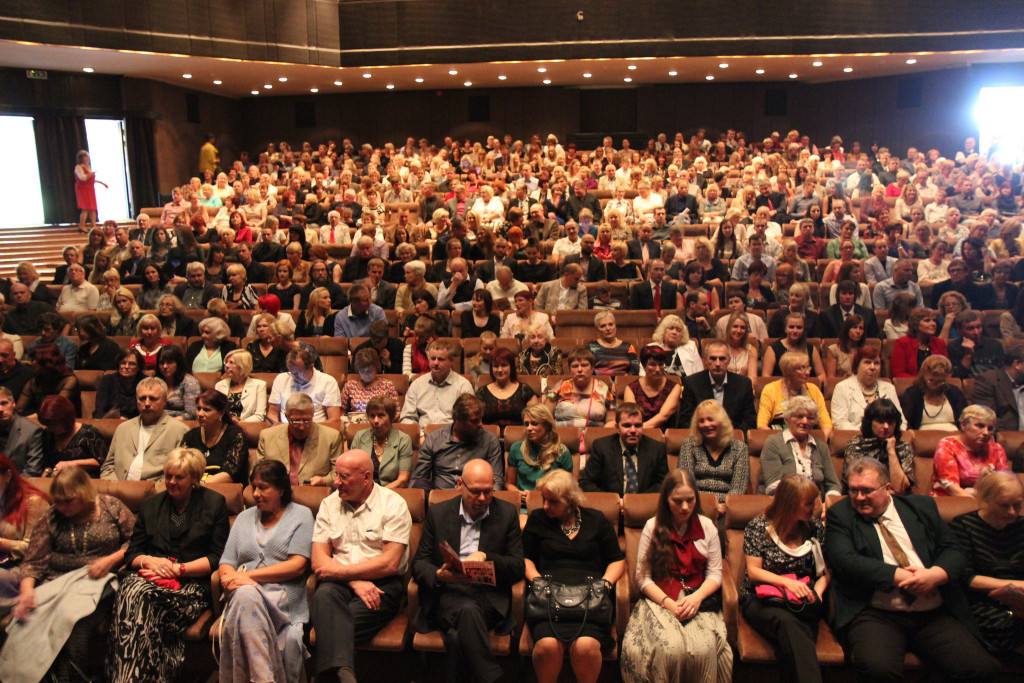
(575, 526)
(85, 539)
(937, 412)
(379, 445)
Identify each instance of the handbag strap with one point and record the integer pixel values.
(586, 613)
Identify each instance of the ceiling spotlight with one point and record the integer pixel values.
(673, 73)
(792, 75)
(283, 79)
(337, 82)
(586, 75)
(419, 80)
(314, 90)
(367, 75)
(218, 82)
(88, 69)
(468, 83)
(628, 80)
(390, 86)
(453, 72)
(759, 72)
(502, 77)
(815, 63)
(186, 75)
(547, 81)
(542, 70)
(255, 92)
(709, 77)
(267, 86)
(911, 61)
(847, 69)
(723, 65)
(631, 67)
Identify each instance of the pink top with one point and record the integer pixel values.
(355, 394)
(954, 464)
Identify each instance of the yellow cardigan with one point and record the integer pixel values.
(772, 405)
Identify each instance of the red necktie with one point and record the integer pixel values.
(332, 235)
(657, 299)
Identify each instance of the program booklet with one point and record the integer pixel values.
(478, 572)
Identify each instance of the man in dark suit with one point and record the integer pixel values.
(318, 278)
(478, 527)
(682, 203)
(459, 231)
(645, 238)
(593, 267)
(487, 269)
(1001, 390)
(831, 319)
(581, 199)
(641, 294)
(627, 462)
(131, 268)
(24, 312)
(60, 273)
(959, 281)
(896, 571)
(775, 201)
(21, 440)
(798, 303)
(382, 292)
(255, 272)
(735, 392)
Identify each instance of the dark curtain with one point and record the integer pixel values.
(59, 137)
(141, 161)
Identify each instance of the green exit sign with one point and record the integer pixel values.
(37, 74)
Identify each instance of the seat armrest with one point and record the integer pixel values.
(730, 603)
(311, 583)
(622, 604)
(413, 597)
(217, 596)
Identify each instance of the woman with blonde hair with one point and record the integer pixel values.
(111, 283)
(715, 272)
(742, 354)
(125, 314)
(318, 318)
(536, 454)
(796, 371)
(676, 631)
(684, 356)
(717, 462)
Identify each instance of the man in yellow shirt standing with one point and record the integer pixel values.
(209, 157)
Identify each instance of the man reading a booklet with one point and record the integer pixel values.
(462, 596)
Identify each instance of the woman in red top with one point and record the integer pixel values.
(921, 341)
(85, 191)
(962, 459)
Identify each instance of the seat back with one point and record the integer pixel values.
(739, 510)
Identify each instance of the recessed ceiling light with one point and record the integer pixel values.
(628, 79)
(709, 77)
(815, 63)
(547, 81)
(673, 73)
(911, 61)
(541, 70)
(314, 90)
(88, 69)
(255, 92)
(283, 79)
(723, 65)
(390, 86)
(267, 86)
(759, 71)
(848, 69)
(586, 75)
(218, 82)
(468, 83)
(453, 72)
(792, 75)
(631, 67)
(367, 75)
(186, 75)
(337, 82)
(419, 80)
(502, 77)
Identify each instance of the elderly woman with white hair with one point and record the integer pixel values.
(207, 354)
(177, 541)
(684, 356)
(489, 208)
(961, 460)
(795, 450)
(415, 279)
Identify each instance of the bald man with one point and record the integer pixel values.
(479, 527)
(360, 553)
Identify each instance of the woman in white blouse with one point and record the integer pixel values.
(247, 396)
(684, 356)
(488, 207)
(852, 396)
(645, 202)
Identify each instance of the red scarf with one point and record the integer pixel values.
(688, 565)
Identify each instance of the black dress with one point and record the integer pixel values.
(779, 349)
(85, 444)
(272, 362)
(103, 358)
(571, 560)
(505, 411)
(628, 271)
(111, 395)
(227, 455)
(286, 295)
(470, 329)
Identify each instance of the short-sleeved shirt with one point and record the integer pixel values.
(527, 475)
(954, 464)
(322, 388)
(359, 534)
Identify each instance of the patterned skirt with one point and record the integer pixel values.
(659, 647)
(147, 643)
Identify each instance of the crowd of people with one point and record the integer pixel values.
(746, 257)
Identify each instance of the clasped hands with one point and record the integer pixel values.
(232, 579)
(684, 609)
(920, 581)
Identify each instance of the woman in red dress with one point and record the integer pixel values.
(85, 191)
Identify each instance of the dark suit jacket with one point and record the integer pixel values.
(206, 528)
(485, 269)
(995, 390)
(125, 269)
(256, 273)
(641, 296)
(25, 446)
(738, 401)
(60, 274)
(603, 471)
(339, 299)
(635, 249)
(853, 554)
(812, 323)
(386, 293)
(573, 205)
(831, 321)
(595, 267)
(500, 539)
(210, 291)
(675, 205)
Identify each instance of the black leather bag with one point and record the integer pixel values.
(569, 607)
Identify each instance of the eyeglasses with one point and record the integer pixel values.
(299, 422)
(864, 492)
(476, 493)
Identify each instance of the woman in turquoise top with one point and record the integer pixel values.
(539, 453)
(207, 354)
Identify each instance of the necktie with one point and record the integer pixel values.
(657, 299)
(332, 235)
(632, 482)
(893, 544)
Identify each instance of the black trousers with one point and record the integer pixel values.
(465, 616)
(341, 620)
(877, 640)
(794, 635)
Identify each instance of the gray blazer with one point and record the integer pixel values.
(397, 456)
(167, 434)
(777, 461)
(25, 446)
(547, 297)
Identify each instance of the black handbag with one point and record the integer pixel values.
(569, 606)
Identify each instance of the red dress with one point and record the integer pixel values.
(85, 190)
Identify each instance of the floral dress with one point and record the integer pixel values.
(954, 464)
(574, 409)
